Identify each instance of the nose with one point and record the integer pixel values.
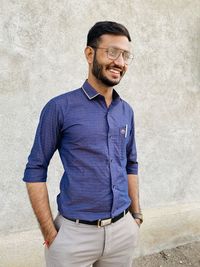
(120, 60)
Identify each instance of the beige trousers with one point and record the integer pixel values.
(82, 245)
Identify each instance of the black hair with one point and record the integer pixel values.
(105, 27)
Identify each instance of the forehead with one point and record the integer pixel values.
(118, 41)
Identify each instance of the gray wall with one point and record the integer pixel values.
(41, 52)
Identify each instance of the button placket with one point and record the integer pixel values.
(112, 139)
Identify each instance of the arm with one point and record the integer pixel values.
(132, 172)
(39, 198)
(133, 189)
(35, 175)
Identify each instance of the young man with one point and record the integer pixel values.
(93, 130)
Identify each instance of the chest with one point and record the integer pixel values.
(92, 124)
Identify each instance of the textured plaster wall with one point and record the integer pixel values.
(41, 55)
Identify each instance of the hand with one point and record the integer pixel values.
(138, 222)
(50, 238)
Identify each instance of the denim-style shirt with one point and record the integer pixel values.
(97, 149)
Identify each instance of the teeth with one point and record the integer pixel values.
(114, 71)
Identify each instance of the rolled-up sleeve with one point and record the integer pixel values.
(132, 164)
(46, 142)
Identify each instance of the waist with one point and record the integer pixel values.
(101, 222)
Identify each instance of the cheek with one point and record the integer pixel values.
(125, 68)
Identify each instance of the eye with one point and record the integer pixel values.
(126, 55)
(113, 51)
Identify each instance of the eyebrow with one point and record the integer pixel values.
(112, 46)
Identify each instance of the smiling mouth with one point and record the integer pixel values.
(115, 71)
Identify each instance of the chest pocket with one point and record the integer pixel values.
(123, 135)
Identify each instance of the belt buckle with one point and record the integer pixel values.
(104, 222)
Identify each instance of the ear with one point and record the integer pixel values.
(89, 54)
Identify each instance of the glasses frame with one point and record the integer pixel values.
(127, 62)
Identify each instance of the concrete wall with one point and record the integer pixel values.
(41, 52)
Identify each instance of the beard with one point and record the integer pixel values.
(97, 71)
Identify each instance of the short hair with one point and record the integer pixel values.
(105, 27)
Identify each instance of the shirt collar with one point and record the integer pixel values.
(89, 90)
(92, 93)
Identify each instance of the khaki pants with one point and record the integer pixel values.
(82, 245)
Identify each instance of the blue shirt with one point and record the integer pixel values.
(97, 149)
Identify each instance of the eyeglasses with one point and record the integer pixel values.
(113, 54)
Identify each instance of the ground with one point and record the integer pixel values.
(182, 256)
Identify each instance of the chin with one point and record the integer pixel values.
(110, 82)
(115, 81)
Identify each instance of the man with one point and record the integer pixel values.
(93, 130)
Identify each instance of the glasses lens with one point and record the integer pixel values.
(127, 57)
(114, 53)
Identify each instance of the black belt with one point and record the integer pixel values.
(101, 222)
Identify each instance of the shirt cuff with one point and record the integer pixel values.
(132, 168)
(35, 175)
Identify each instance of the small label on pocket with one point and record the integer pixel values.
(124, 131)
